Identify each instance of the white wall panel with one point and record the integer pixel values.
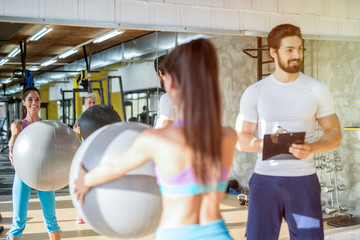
(354, 9)
(160, 14)
(209, 3)
(328, 26)
(65, 9)
(196, 17)
(21, 8)
(180, 2)
(349, 28)
(308, 24)
(290, 6)
(95, 10)
(225, 19)
(134, 12)
(237, 4)
(257, 21)
(265, 5)
(336, 8)
(314, 7)
(199, 15)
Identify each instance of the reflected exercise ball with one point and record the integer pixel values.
(96, 117)
(129, 206)
(42, 154)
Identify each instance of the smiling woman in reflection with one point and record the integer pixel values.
(192, 156)
(31, 103)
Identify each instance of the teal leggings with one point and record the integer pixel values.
(215, 230)
(21, 195)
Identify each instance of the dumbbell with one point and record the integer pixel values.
(242, 198)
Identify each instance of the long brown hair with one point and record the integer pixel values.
(24, 95)
(194, 67)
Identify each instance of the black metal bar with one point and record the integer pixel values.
(246, 51)
(63, 104)
(302, 68)
(74, 106)
(101, 93)
(85, 58)
(259, 58)
(109, 90)
(122, 98)
(22, 44)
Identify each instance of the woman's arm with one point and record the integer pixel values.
(115, 167)
(16, 128)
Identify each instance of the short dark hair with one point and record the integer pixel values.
(157, 64)
(281, 31)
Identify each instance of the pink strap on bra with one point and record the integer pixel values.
(178, 123)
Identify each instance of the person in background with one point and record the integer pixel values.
(287, 100)
(166, 109)
(90, 100)
(144, 115)
(192, 157)
(21, 192)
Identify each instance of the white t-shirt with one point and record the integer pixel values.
(166, 110)
(293, 106)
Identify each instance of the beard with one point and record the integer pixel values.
(286, 67)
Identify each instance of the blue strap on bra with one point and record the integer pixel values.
(192, 189)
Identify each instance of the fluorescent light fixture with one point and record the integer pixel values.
(14, 52)
(42, 81)
(40, 33)
(3, 61)
(8, 80)
(108, 35)
(34, 68)
(68, 53)
(48, 62)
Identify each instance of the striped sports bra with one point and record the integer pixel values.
(185, 182)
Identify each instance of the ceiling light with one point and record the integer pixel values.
(4, 60)
(8, 80)
(68, 53)
(34, 68)
(108, 35)
(48, 62)
(14, 52)
(40, 33)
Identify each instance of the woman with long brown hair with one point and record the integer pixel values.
(31, 103)
(192, 156)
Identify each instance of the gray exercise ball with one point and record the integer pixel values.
(96, 117)
(42, 154)
(129, 206)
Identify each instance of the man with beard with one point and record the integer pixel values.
(166, 109)
(287, 99)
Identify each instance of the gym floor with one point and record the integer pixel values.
(235, 215)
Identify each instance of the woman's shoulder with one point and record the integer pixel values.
(229, 133)
(16, 126)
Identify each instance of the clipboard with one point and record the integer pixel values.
(276, 146)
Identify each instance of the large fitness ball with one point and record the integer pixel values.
(129, 206)
(96, 117)
(42, 154)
